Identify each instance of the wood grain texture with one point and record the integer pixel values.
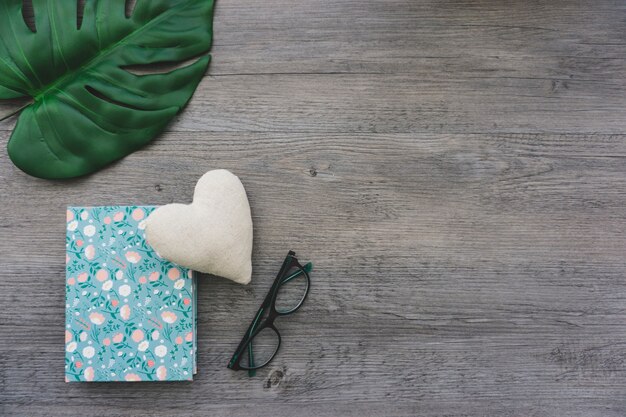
(456, 171)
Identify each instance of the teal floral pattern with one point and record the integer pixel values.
(129, 313)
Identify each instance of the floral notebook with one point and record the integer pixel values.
(130, 315)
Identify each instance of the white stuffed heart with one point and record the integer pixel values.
(213, 234)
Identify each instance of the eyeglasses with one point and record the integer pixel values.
(285, 297)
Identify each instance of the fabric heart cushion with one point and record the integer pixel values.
(213, 234)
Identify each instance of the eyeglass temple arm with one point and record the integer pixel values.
(251, 372)
(240, 349)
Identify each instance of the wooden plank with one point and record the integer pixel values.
(404, 103)
(400, 36)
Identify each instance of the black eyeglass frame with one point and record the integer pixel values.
(290, 262)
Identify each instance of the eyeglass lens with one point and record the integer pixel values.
(264, 346)
(292, 291)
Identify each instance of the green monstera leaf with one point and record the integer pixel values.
(88, 109)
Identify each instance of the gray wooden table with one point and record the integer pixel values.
(456, 171)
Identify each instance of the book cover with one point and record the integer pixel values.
(130, 315)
